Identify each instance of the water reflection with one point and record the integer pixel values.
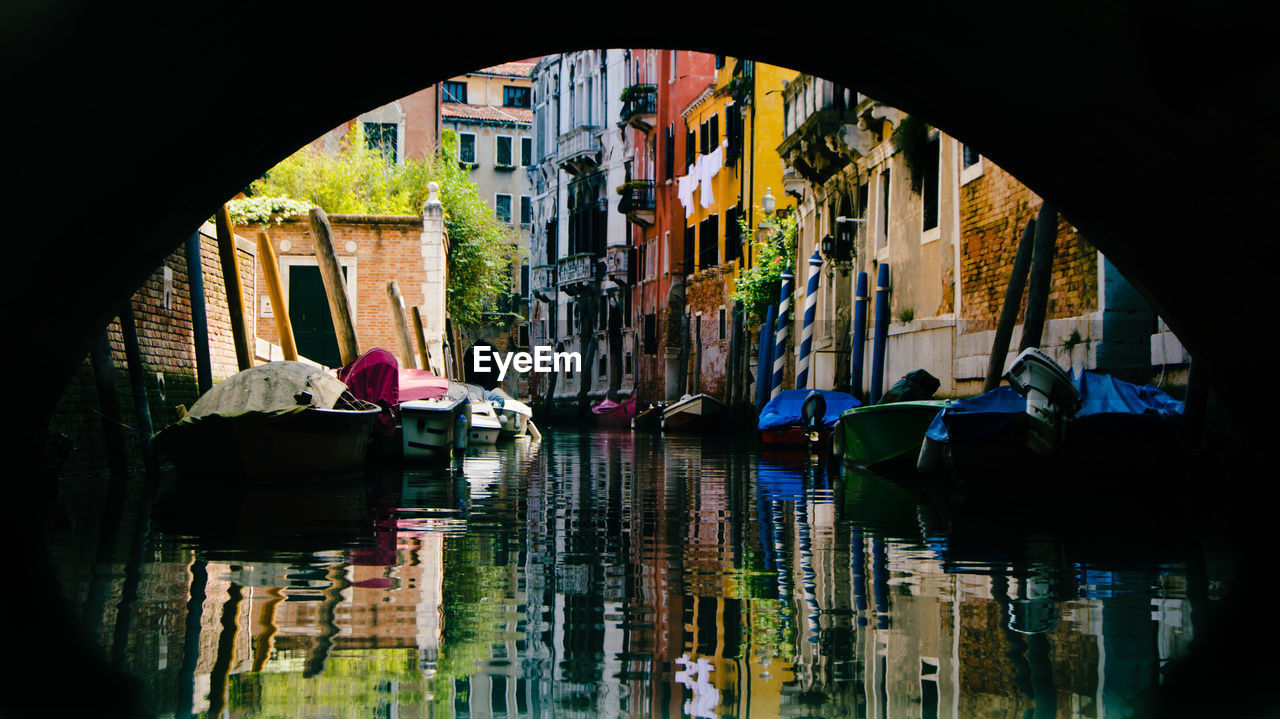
(611, 574)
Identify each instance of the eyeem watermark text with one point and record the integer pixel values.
(541, 360)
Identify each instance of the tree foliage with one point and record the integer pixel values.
(358, 180)
(758, 286)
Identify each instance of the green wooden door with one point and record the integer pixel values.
(309, 312)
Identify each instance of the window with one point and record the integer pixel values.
(690, 236)
(690, 147)
(732, 235)
(970, 164)
(454, 92)
(669, 158)
(885, 186)
(526, 151)
(722, 324)
(526, 210)
(709, 239)
(929, 187)
(513, 96)
(382, 137)
(704, 137)
(651, 333)
(466, 147)
(715, 133)
(719, 61)
(502, 207)
(568, 318)
(502, 151)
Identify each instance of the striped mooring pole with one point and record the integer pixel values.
(806, 330)
(764, 358)
(780, 334)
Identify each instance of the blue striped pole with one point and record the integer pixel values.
(882, 332)
(764, 358)
(806, 330)
(859, 335)
(780, 334)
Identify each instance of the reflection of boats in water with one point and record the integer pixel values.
(277, 420)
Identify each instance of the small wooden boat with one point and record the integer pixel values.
(615, 415)
(484, 427)
(875, 435)
(513, 415)
(277, 420)
(782, 421)
(649, 419)
(696, 413)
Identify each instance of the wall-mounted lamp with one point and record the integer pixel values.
(768, 203)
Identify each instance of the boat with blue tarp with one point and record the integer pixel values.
(782, 421)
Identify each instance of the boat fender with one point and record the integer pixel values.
(534, 434)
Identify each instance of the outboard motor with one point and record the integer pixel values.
(812, 412)
(1052, 398)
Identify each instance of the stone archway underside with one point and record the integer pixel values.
(1154, 129)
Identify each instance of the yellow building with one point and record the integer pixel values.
(733, 131)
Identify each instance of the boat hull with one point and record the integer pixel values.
(428, 429)
(696, 414)
(796, 437)
(312, 443)
(618, 416)
(883, 433)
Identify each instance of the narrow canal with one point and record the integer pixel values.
(612, 574)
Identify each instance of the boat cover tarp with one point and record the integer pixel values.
(1105, 403)
(276, 387)
(607, 405)
(422, 384)
(374, 377)
(784, 410)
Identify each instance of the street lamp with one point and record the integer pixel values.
(767, 203)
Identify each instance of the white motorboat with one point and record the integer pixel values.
(432, 428)
(484, 420)
(513, 415)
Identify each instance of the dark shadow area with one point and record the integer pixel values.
(1155, 129)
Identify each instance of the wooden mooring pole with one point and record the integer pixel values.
(1009, 311)
(199, 324)
(235, 291)
(335, 286)
(271, 273)
(1041, 276)
(401, 324)
(424, 354)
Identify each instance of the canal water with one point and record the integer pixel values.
(609, 574)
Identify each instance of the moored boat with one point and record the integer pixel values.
(875, 435)
(513, 415)
(277, 420)
(484, 427)
(616, 415)
(696, 413)
(782, 420)
(649, 419)
(431, 428)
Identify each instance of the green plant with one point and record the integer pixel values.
(358, 180)
(264, 210)
(632, 92)
(907, 314)
(911, 138)
(759, 285)
(1070, 341)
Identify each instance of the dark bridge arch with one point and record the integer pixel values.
(1154, 128)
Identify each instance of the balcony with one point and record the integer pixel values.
(579, 149)
(640, 107)
(577, 273)
(617, 262)
(825, 129)
(542, 279)
(639, 202)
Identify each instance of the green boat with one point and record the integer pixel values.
(880, 433)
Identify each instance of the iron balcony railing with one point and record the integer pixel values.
(638, 196)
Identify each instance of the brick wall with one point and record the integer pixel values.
(386, 247)
(707, 294)
(166, 344)
(994, 210)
